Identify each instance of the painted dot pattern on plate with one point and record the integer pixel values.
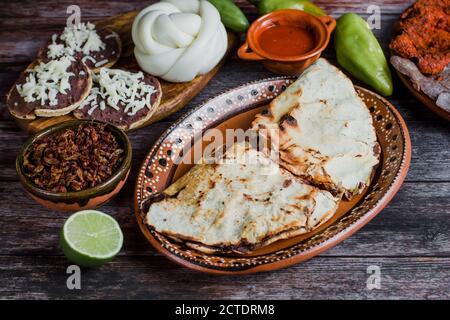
(162, 158)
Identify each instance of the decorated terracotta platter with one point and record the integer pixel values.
(235, 109)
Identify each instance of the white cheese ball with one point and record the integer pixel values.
(177, 40)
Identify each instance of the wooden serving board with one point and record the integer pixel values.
(175, 95)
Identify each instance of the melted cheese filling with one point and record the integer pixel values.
(116, 88)
(46, 80)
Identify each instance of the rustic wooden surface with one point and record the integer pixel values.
(409, 240)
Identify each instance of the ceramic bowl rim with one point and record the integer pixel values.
(100, 189)
(317, 50)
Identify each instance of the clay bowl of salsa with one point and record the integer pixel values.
(287, 41)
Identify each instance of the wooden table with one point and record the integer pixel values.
(409, 240)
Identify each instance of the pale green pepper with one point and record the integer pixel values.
(266, 6)
(359, 52)
(231, 15)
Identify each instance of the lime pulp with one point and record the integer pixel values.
(91, 238)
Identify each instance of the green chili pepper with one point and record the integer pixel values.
(254, 2)
(359, 52)
(266, 6)
(232, 17)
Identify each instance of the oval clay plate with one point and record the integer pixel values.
(422, 97)
(236, 109)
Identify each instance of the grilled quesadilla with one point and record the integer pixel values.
(326, 134)
(242, 202)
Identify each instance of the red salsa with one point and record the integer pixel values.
(286, 40)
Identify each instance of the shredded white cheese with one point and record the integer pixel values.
(112, 35)
(78, 38)
(91, 110)
(85, 58)
(117, 87)
(101, 63)
(46, 80)
(55, 50)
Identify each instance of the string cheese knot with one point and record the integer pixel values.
(179, 39)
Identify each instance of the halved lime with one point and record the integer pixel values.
(91, 238)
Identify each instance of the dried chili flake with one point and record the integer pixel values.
(73, 159)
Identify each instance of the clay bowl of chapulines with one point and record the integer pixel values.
(83, 199)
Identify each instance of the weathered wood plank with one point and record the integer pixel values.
(50, 10)
(409, 239)
(48, 18)
(411, 225)
(158, 278)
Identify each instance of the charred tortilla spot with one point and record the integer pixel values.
(335, 192)
(290, 120)
(377, 149)
(219, 217)
(287, 183)
(248, 197)
(293, 106)
(243, 248)
(304, 197)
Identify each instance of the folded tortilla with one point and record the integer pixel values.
(325, 131)
(244, 202)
